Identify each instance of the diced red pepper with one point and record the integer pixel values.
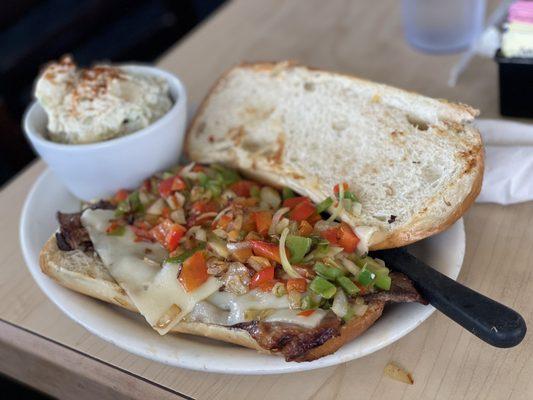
(121, 195)
(167, 186)
(297, 284)
(330, 235)
(362, 289)
(267, 250)
(193, 271)
(263, 220)
(147, 185)
(314, 218)
(203, 206)
(268, 286)
(142, 235)
(168, 234)
(113, 227)
(306, 313)
(242, 188)
(305, 228)
(242, 255)
(223, 221)
(302, 211)
(294, 201)
(336, 187)
(343, 236)
(165, 212)
(261, 277)
(347, 238)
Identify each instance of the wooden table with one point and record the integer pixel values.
(43, 348)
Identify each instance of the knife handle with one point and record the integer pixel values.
(489, 320)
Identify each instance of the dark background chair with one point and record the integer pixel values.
(32, 32)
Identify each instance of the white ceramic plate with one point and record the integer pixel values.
(129, 331)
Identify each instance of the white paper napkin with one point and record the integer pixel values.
(508, 161)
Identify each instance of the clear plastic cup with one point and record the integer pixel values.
(442, 26)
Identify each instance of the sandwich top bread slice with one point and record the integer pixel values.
(414, 163)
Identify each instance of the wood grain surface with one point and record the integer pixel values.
(42, 347)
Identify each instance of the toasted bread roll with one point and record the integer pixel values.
(415, 163)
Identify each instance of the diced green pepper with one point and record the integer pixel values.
(131, 204)
(167, 175)
(323, 287)
(372, 265)
(135, 202)
(351, 196)
(287, 193)
(365, 277)
(349, 314)
(183, 256)
(229, 176)
(324, 205)
(202, 179)
(298, 247)
(215, 188)
(308, 303)
(122, 208)
(327, 272)
(119, 230)
(255, 191)
(383, 282)
(349, 287)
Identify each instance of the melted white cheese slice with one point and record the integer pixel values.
(154, 290)
(292, 317)
(223, 308)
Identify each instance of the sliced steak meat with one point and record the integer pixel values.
(401, 291)
(102, 205)
(293, 341)
(72, 234)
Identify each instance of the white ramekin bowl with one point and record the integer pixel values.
(96, 170)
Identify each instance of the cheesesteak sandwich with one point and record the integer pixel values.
(263, 240)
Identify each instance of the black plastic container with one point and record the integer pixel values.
(516, 86)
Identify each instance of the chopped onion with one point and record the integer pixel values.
(187, 171)
(279, 289)
(218, 246)
(350, 266)
(178, 216)
(221, 213)
(198, 233)
(357, 208)
(175, 201)
(295, 299)
(337, 210)
(322, 225)
(284, 223)
(144, 198)
(258, 263)
(283, 255)
(206, 215)
(340, 304)
(380, 262)
(360, 309)
(221, 233)
(157, 207)
(270, 197)
(275, 219)
(238, 246)
(228, 195)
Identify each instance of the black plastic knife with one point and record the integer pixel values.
(489, 320)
